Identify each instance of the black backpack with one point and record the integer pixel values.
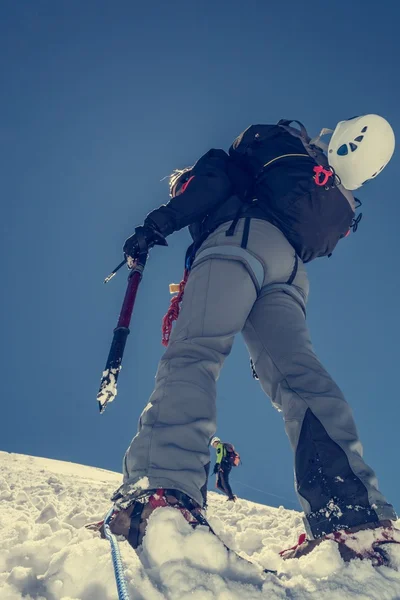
(295, 187)
(232, 456)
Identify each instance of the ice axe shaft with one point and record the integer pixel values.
(108, 385)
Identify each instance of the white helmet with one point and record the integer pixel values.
(360, 148)
(214, 440)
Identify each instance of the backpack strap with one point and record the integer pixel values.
(316, 141)
(294, 270)
(302, 134)
(243, 208)
(316, 152)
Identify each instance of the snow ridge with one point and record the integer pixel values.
(47, 554)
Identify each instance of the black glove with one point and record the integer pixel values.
(145, 237)
(216, 468)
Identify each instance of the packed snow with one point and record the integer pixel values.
(47, 554)
(108, 387)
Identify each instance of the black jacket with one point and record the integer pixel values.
(212, 197)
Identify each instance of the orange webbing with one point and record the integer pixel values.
(173, 311)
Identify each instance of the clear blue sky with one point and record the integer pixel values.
(100, 100)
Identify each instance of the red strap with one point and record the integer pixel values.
(319, 171)
(183, 188)
(300, 541)
(158, 499)
(173, 311)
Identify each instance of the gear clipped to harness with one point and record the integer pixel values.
(174, 307)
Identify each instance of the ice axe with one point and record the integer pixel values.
(108, 384)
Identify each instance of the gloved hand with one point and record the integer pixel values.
(216, 468)
(145, 237)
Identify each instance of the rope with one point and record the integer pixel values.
(264, 492)
(174, 308)
(116, 558)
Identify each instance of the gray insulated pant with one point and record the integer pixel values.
(232, 290)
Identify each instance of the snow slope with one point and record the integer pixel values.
(46, 554)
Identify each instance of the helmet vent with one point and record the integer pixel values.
(353, 147)
(359, 138)
(364, 129)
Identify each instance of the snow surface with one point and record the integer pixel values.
(47, 554)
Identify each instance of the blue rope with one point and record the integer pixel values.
(116, 558)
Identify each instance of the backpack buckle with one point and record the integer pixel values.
(319, 172)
